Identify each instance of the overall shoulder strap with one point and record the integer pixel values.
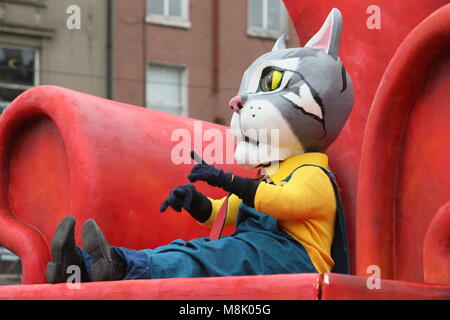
(339, 247)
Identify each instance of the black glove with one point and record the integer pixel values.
(244, 188)
(213, 176)
(187, 197)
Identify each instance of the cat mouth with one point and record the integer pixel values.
(256, 142)
(250, 140)
(264, 165)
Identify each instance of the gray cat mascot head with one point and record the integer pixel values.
(303, 94)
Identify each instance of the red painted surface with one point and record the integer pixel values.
(272, 287)
(436, 248)
(63, 152)
(403, 176)
(344, 287)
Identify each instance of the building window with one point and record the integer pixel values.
(266, 18)
(18, 72)
(174, 13)
(10, 267)
(166, 89)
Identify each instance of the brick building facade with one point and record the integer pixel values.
(188, 56)
(38, 48)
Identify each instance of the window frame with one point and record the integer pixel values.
(10, 278)
(183, 87)
(31, 3)
(167, 20)
(264, 32)
(36, 79)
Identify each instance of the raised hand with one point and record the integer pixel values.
(187, 197)
(211, 175)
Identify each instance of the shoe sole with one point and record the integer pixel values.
(94, 242)
(55, 272)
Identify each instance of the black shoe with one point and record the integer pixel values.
(107, 264)
(65, 253)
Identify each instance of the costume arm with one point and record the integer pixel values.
(233, 207)
(308, 193)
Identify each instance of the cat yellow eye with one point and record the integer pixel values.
(271, 80)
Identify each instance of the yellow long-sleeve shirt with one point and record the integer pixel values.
(305, 206)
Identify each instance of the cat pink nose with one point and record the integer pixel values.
(236, 104)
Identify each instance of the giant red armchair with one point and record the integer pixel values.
(64, 152)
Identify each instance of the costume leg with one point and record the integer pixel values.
(248, 253)
(257, 247)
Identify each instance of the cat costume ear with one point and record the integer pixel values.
(281, 43)
(329, 35)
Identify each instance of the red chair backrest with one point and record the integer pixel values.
(366, 54)
(404, 177)
(64, 152)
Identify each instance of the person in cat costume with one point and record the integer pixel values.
(289, 221)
